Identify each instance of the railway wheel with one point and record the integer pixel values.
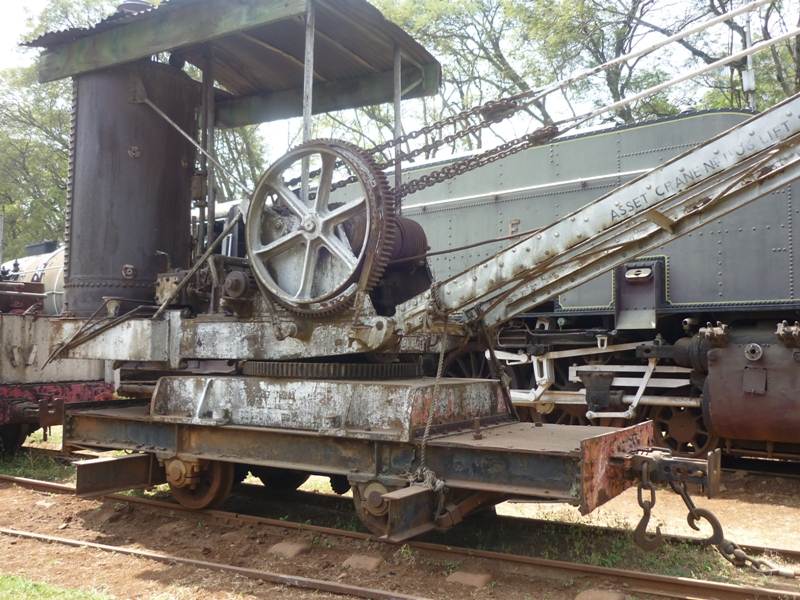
(568, 414)
(216, 481)
(312, 254)
(281, 481)
(371, 508)
(681, 429)
(339, 484)
(470, 362)
(12, 436)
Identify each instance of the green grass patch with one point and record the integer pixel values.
(159, 492)
(33, 464)
(54, 438)
(19, 588)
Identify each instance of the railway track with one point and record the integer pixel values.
(633, 582)
(761, 466)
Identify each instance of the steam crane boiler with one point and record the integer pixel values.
(316, 351)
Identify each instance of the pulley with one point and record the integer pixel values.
(313, 252)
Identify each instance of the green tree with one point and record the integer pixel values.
(34, 137)
(35, 131)
(777, 71)
(34, 143)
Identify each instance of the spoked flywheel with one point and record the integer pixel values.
(315, 253)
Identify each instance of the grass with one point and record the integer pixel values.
(19, 588)
(617, 549)
(35, 465)
(158, 492)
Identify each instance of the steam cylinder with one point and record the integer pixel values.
(130, 184)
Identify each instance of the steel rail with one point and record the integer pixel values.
(292, 580)
(226, 517)
(639, 582)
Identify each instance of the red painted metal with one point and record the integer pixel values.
(603, 478)
(13, 397)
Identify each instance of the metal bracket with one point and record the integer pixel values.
(662, 466)
(107, 475)
(717, 336)
(411, 512)
(51, 412)
(629, 414)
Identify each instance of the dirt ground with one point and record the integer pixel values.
(753, 509)
(118, 523)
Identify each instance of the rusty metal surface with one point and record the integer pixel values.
(19, 298)
(411, 513)
(22, 403)
(208, 337)
(508, 463)
(129, 157)
(102, 476)
(294, 245)
(602, 478)
(753, 398)
(131, 428)
(525, 437)
(26, 345)
(581, 241)
(389, 410)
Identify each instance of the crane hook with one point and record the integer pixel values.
(717, 535)
(640, 533)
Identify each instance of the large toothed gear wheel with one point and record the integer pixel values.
(314, 255)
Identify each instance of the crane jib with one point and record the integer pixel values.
(621, 218)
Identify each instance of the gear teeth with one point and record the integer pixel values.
(332, 371)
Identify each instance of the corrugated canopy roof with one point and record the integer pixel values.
(259, 48)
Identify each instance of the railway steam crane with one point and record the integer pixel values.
(313, 352)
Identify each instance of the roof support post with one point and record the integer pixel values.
(308, 86)
(398, 121)
(208, 108)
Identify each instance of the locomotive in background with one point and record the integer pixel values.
(720, 303)
(32, 393)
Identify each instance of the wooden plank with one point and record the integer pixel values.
(177, 28)
(262, 44)
(350, 93)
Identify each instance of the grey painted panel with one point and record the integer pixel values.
(598, 294)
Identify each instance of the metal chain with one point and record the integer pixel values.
(731, 551)
(477, 161)
(734, 554)
(682, 490)
(423, 475)
(640, 533)
(491, 112)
